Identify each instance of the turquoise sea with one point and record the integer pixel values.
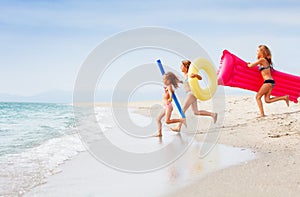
(35, 138)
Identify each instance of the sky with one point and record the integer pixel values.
(43, 43)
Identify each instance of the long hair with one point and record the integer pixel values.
(267, 53)
(173, 79)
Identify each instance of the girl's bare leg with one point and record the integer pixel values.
(159, 124)
(168, 117)
(287, 100)
(189, 100)
(264, 90)
(203, 112)
(269, 99)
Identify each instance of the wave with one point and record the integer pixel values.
(23, 171)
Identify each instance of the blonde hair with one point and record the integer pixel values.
(173, 79)
(267, 53)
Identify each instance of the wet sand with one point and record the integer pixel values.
(86, 176)
(261, 158)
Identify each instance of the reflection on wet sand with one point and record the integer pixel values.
(86, 176)
(190, 166)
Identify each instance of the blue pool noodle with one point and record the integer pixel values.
(173, 95)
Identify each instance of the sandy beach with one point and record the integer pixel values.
(276, 142)
(271, 166)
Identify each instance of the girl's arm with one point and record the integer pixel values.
(261, 61)
(193, 75)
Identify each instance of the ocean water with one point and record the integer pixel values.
(35, 138)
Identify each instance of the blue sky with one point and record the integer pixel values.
(44, 43)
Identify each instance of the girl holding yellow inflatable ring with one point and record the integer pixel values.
(191, 100)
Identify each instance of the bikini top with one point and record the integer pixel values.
(260, 68)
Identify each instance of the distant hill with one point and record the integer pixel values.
(58, 96)
(55, 96)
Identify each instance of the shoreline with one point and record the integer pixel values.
(83, 175)
(275, 140)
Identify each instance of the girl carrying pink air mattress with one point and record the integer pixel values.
(259, 76)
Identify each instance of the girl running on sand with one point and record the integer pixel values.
(265, 66)
(191, 100)
(170, 80)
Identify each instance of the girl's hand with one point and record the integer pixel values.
(170, 100)
(193, 75)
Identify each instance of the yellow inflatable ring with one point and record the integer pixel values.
(199, 92)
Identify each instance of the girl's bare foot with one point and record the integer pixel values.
(215, 117)
(159, 134)
(184, 122)
(262, 116)
(287, 100)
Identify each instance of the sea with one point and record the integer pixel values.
(35, 139)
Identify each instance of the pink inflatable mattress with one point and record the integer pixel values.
(235, 72)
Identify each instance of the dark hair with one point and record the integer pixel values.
(186, 63)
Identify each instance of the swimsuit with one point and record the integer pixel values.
(271, 81)
(186, 80)
(190, 92)
(260, 68)
(168, 105)
(166, 96)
